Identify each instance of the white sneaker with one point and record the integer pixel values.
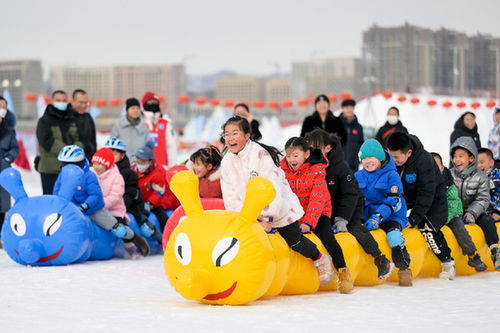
(448, 271)
(325, 269)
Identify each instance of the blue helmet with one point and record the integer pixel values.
(115, 143)
(71, 154)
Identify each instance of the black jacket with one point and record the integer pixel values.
(354, 141)
(132, 196)
(87, 131)
(424, 187)
(347, 200)
(387, 129)
(332, 124)
(460, 130)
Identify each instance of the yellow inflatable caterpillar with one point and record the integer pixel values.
(225, 257)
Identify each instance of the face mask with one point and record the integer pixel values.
(3, 113)
(61, 106)
(142, 167)
(153, 107)
(393, 120)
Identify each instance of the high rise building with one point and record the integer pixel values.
(240, 88)
(22, 77)
(278, 89)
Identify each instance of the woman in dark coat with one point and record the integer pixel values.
(466, 126)
(324, 119)
(393, 124)
(8, 153)
(243, 111)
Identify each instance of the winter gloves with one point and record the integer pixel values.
(340, 225)
(84, 207)
(373, 222)
(469, 218)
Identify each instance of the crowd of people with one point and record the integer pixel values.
(320, 185)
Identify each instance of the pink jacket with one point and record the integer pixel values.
(113, 187)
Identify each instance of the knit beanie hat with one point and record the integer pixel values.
(132, 102)
(322, 98)
(146, 153)
(105, 157)
(372, 148)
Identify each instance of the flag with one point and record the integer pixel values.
(22, 158)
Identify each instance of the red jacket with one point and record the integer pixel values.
(210, 185)
(308, 183)
(154, 187)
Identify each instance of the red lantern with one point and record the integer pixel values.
(161, 99)
(387, 94)
(115, 102)
(229, 103)
(31, 97)
(101, 103)
(184, 99)
(244, 101)
(447, 104)
(401, 98)
(475, 105)
(200, 100)
(273, 104)
(259, 104)
(70, 100)
(461, 105)
(491, 104)
(303, 102)
(287, 103)
(214, 102)
(47, 99)
(431, 102)
(332, 98)
(345, 95)
(414, 100)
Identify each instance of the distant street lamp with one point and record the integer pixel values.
(17, 83)
(5, 83)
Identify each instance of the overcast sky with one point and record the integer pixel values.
(251, 37)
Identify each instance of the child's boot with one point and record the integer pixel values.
(324, 266)
(495, 257)
(405, 278)
(448, 271)
(132, 250)
(476, 262)
(346, 284)
(141, 244)
(384, 266)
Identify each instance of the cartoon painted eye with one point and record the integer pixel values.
(52, 224)
(183, 249)
(225, 251)
(17, 225)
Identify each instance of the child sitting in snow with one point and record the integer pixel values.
(474, 189)
(305, 171)
(246, 159)
(206, 163)
(385, 206)
(487, 163)
(455, 222)
(89, 198)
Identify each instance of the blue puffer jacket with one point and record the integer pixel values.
(89, 192)
(383, 193)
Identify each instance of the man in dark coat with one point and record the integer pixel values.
(10, 117)
(85, 123)
(466, 126)
(354, 133)
(425, 194)
(393, 124)
(54, 130)
(347, 200)
(323, 118)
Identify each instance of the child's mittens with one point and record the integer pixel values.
(373, 222)
(469, 218)
(84, 207)
(340, 225)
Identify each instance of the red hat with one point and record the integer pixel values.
(105, 157)
(149, 96)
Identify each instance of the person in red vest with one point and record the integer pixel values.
(160, 129)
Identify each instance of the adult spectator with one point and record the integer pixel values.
(354, 133)
(392, 124)
(55, 129)
(8, 153)
(160, 129)
(494, 135)
(324, 119)
(85, 123)
(131, 129)
(10, 117)
(466, 126)
(242, 110)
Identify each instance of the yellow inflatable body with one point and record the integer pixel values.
(225, 257)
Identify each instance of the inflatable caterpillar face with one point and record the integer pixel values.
(216, 256)
(44, 230)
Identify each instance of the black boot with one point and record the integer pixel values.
(141, 244)
(476, 262)
(384, 265)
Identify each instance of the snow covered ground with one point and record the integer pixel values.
(135, 296)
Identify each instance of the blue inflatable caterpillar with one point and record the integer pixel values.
(50, 230)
